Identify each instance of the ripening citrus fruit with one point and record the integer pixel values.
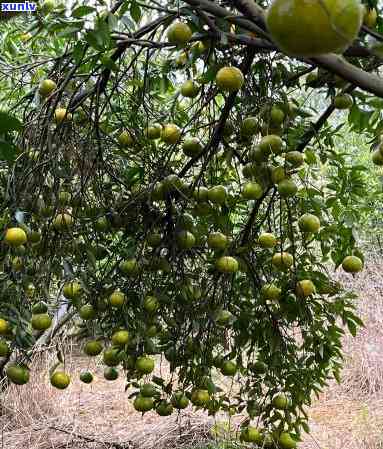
(144, 365)
(370, 17)
(343, 101)
(192, 147)
(170, 134)
(352, 264)
(217, 194)
(125, 139)
(294, 158)
(60, 380)
(287, 188)
(200, 397)
(189, 89)
(47, 87)
(271, 292)
(305, 288)
(62, 115)
(179, 400)
(117, 299)
(4, 348)
(72, 290)
(251, 434)
(41, 321)
(252, 191)
(110, 373)
(281, 401)
(153, 132)
(112, 356)
(249, 126)
(63, 222)
(313, 27)
(87, 312)
(86, 377)
(93, 348)
(271, 144)
(4, 326)
(129, 267)
(143, 404)
(15, 237)
(227, 264)
(228, 368)
(282, 260)
(229, 79)
(286, 442)
(179, 33)
(17, 374)
(185, 240)
(309, 223)
(217, 240)
(120, 338)
(267, 240)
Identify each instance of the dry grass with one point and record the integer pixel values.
(349, 416)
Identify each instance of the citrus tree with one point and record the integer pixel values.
(167, 191)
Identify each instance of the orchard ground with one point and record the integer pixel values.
(347, 416)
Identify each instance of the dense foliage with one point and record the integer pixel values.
(171, 186)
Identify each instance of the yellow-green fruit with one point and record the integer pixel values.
(249, 126)
(120, 338)
(185, 240)
(62, 115)
(164, 409)
(287, 188)
(278, 174)
(17, 264)
(153, 132)
(151, 304)
(252, 191)
(87, 312)
(171, 134)
(228, 368)
(352, 264)
(15, 237)
(217, 240)
(47, 87)
(189, 89)
(267, 240)
(101, 224)
(305, 288)
(143, 404)
(41, 321)
(63, 222)
(200, 397)
(4, 348)
(34, 237)
(311, 27)
(286, 442)
(117, 299)
(309, 223)
(217, 194)
(229, 79)
(294, 158)
(4, 327)
(129, 267)
(270, 292)
(112, 356)
(86, 377)
(179, 33)
(72, 290)
(377, 158)
(93, 348)
(271, 144)
(179, 400)
(17, 374)
(282, 260)
(144, 365)
(125, 139)
(343, 101)
(224, 317)
(192, 147)
(60, 380)
(280, 401)
(110, 373)
(276, 115)
(251, 435)
(201, 194)
(227, 264)
(370, 17)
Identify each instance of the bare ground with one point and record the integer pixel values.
(99, 416)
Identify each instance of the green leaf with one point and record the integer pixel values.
(82, 11)
(8, 151)
(94, 40)
(9, 122)
(135, 12)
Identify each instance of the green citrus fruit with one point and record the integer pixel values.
(249, 126)
(41, 321)
(271, 292)
(60, 380)
(148, 390)
(217, 240)
(282, 260)
(87, 312)
(164, 408)
(120, 338)
(309, 223)
(294, 158)
(228, 368)
(179, 33)
(252, 191)
(267, 240)
(200, 397)
(117, 299)
(15, 237)
(287, 188)
(125, 139)
(343, 101)
(17, 374)
(192, 147)
(4, 348)
(227, 264)
(72, 290)
(217, 194)
(142, 404)
(129, 267)
(251, 434)
(185, 240)
(144, 365)
(277, 116)
(112, 356)
(352, 264)
(110, 373)
(305, 288)
(189, 89)
(271, 144)
(86, 377)
(93, 348)
(179, 400)
(229, 79)
(286, 442)
(151, 304)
